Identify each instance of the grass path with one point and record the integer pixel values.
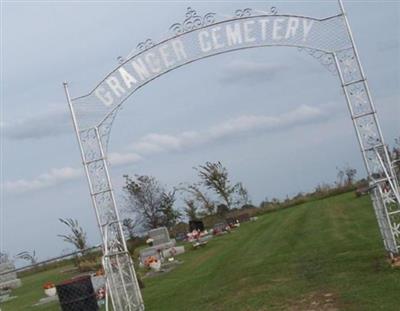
(323, 255)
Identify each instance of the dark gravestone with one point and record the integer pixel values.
(196, 225)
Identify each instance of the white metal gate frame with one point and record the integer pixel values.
(335, 49)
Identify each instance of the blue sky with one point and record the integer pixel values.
(229, 102)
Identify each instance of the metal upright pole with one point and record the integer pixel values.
(83, 157)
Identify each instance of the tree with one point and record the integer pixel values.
(345, 176)
(145, 195)
(199, 196)
(131, 226)
(31, 258)
(222, 209)
(242, 196)
(170, 215)
(77, 237)
(151, 201)
(340, 177)
(191, 209)
(350, 175)
(214, 177)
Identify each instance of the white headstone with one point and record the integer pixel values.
(8, 280)
(159, 236)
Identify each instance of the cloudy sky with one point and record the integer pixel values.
(274, 116)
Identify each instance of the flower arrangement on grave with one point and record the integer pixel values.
(48, 285)
(149, 260)
(49, 289)
(153, 263)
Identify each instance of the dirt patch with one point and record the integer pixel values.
(318, 301)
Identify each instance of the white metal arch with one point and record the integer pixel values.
(328, 39)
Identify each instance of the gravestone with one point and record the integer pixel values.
(8, 280)
(161, 242)
(98, 282)
(147, 252)
(159, 236)
(173, 251)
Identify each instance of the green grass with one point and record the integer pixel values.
(287, 260)
(31, 290)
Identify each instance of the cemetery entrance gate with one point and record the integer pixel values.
(329, 40)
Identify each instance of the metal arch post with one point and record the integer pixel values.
(381, 205)
(383, 223)
(125, 278)
(83, 157)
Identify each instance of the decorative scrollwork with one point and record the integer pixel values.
(368, 131)
(388, 197)
(192, 21)
(359, 98)
(105, 129)
(90, 145)
(145, 45)
(396, 230)
(326, 59)
(375, 166)
(349, 66)
(243, 12)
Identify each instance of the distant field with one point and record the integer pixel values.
(323, 255)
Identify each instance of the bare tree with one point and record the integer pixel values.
(340, 177)
(350, 175)
(77, 237)
(199, 196)
(131, 226)
(242, 196)
(30, 257)
(214, 176)
(345, 176)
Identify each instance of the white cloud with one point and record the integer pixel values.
(156, 143)
(53, 123)
(58, 176)
(54, 177)
(240, 71)
(119, 159)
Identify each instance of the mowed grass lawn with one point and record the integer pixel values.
(323, 255)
